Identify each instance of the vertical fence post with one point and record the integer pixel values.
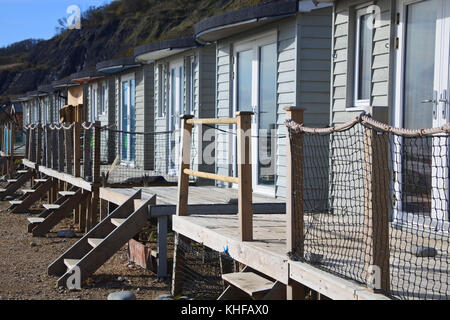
(182, 206)
(185, 158)
(48, 146)
(96, 174)
(87, 154)
(27, 141)
(61, 149)
(11, 172)
(76, 149)
(376, 209)
(294, 201)
(162, 247)
(244, 162)
(68, 137)
(96, 157)
(39, 144)
(55, 153)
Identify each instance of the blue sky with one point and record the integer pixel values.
(24, 19)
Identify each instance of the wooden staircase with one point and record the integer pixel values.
(30, 196)
(57, 211)
(15, 184)
(105, 239)
(252, 285)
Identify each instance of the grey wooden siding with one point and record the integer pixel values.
(144, 104)
(204, 100)
(343, 199)
(303, 80)
(343, 62)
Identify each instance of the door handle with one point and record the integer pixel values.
(445, 101)
(434, 101)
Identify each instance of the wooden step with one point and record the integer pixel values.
(70, 263)
(94, 241)
(35, 220)
(2, 190)
(251, 283)
(22, 171)
(117, 222)
(16, 202)
(28, 190)
(67, 193)
(51, 206)
(94, 252)
(40, 180)
(11, 180)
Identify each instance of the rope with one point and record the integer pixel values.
(367, 121)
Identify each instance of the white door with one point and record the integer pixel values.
(421, 101)
(128, 120)
(176, 93)
(255, 84)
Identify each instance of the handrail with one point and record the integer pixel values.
(211, 176)
(244, 176)
(212, 121)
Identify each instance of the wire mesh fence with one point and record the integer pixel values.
(126, 158)
(374, 206)
(140, 158)
(202, 270)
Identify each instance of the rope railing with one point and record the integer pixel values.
(370, 202)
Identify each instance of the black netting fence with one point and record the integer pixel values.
(375, 202)
(140, 158)
(201, 269)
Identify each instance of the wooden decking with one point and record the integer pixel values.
(266, 253)
(168, 195)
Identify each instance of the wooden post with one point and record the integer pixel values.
(11, 169)
(81, 213)
(294, 202)
(55, 153)
(103, 209)
(185, 159)
(376, 208)
(68, 137)
(39, 144)
(76, 149)
(27, 144)
(162, 247)
(244, 162)
(86, 153)
(96, 157)
(61, 149)
(48, 149)
(89, 213)
(94, 206)
(183, 198)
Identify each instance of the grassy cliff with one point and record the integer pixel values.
(107, 32)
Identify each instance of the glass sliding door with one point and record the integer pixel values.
(421, 89)
(255, 86)
(176, 94)
(267, 115)
(128, 119)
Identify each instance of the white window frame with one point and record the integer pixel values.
(94, 102)
(357, 102)
(252, 43)
(127, 78)
(104, 94)
(161, 111)
(190, 105)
